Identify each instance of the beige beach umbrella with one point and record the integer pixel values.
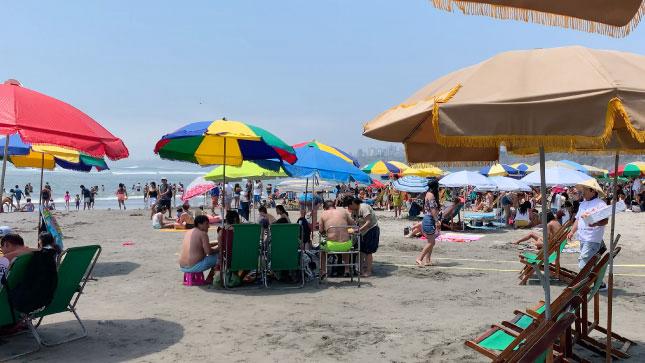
(595, 171)
(562, 99)
(610, 17)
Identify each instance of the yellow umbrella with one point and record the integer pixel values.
(609, 17)
(400, 165)
(423, 172)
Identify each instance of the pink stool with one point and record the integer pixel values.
(194, 279)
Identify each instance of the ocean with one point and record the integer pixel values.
(129, 173)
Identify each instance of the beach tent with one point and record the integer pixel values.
(411, 184)
(608, 17)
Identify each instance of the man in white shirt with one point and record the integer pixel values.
(228, 193)
(590, 236)
(257, 193)
(636, 189)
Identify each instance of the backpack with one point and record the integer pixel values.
(37, 288)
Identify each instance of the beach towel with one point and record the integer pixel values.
(459, 237)
(52, 227)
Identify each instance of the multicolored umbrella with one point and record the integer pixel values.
(259, 169)
(381, 167)
(23, 155)
(330, 149)
(576, 166)
(199, 186)
(630, 170)
(499, 170)
(223, 142)
(313, 162)
(521, 167)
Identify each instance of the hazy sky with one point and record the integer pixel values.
(301, 69)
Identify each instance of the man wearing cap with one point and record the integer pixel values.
(590, 236)
(165, 195)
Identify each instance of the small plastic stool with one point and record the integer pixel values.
(194, 279)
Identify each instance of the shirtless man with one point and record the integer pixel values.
(338, 239)
(197, 254)
(552, 228)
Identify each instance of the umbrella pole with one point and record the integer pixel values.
(40, 202)
(545, 237)
(610, 280)
(4, 169)
(224, 185)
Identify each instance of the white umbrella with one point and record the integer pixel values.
(506, 184)
(465, 178)
(301, 185)
(556, 176)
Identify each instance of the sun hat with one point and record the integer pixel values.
(592, 184)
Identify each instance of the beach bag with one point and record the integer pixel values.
(37, 288)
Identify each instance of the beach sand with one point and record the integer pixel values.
(138, 309)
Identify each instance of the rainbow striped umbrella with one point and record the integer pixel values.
(330, 149)
(223, 142)
(381, 167)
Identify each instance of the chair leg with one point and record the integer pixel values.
(33, 332)
(51, 344)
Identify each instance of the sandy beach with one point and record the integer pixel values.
(138, 310)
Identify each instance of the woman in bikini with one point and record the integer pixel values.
(431, 222)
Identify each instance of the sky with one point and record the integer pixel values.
(300, 69)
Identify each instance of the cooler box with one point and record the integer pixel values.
(598, 215)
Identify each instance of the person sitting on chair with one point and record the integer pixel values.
(197, 253)
(334, 225)
(552, 227)
(451, 212)
(12, 246)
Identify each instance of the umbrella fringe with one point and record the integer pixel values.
(527, 144)
(539, 17)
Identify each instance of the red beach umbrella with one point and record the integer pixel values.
(40, 119)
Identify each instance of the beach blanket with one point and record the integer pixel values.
(459, 237)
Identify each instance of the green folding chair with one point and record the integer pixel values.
(244, 251)
(285, 251)
(74, 270)
(15, 274)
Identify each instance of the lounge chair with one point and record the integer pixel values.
(242, 253)
(74, 270)
(584, 339)
(448, 216)
(15, 274)
(502, 342)
(285, 250)
(533, 262)
(354, 254)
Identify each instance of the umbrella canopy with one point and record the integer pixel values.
(423, 172)
(631, 169)
(376, 184)
(499, 170)
(597, 16)
(330, 149)
(248, 170)
(40, 119)
(400, 165)
(48, 157)
(556, 176)
(411, 184)
(315, 162)
(484, 105)
(381, 167)
(198, 186)
(302, 185)
(594, 171)
(521, 167)
(466, 178)
(505, 184)
(576, 166)
(203, 143)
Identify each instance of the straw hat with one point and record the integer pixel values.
(592, 184)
